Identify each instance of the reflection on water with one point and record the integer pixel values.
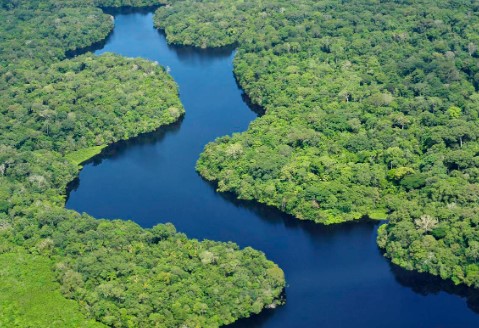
(189, 54)
(425, 284)
(119, 148)
(147, 10)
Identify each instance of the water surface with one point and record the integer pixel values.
(336, 275)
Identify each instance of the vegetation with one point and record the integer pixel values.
(127, 3)
(38, 32)
(371, 109)
(79, 156)
(55, 113)
(86, 101)
(23, 305)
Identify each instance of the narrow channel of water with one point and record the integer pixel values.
(336, 275)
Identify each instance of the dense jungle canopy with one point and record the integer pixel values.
(56, 113)
(371, 111)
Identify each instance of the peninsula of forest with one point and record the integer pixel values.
(371, 111)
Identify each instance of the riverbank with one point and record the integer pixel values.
(328, 269)
(119, 273)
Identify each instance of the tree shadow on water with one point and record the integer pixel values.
(273, 216)
(91, 48)
(197, 55)
(126, 10)
(426, 284)
(102, 43)
(255, 108)
(255, 320)
(119, 148)
(420, 283)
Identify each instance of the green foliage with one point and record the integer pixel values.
(454, 112)
(399, 173)
(127, 3)
(413, 181)
(439, 232)
(77, 157)
(126, 276)
(377, 215)
(369, 106)
(28, 288)
(41, 31)
(84, 102)
(204, 24)
(55, 113)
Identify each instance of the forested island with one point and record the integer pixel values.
(371, 111)
(60, 268)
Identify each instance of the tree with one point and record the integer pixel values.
(454, 112)
(426, 222)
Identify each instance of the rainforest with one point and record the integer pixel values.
(367, 118)
(371, 111)
(55, 114)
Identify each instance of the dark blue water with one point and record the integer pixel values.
(336, 275)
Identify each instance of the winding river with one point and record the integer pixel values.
(336, 275)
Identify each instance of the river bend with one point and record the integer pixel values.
(336, 275)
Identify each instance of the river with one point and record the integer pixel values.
(336, 275)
